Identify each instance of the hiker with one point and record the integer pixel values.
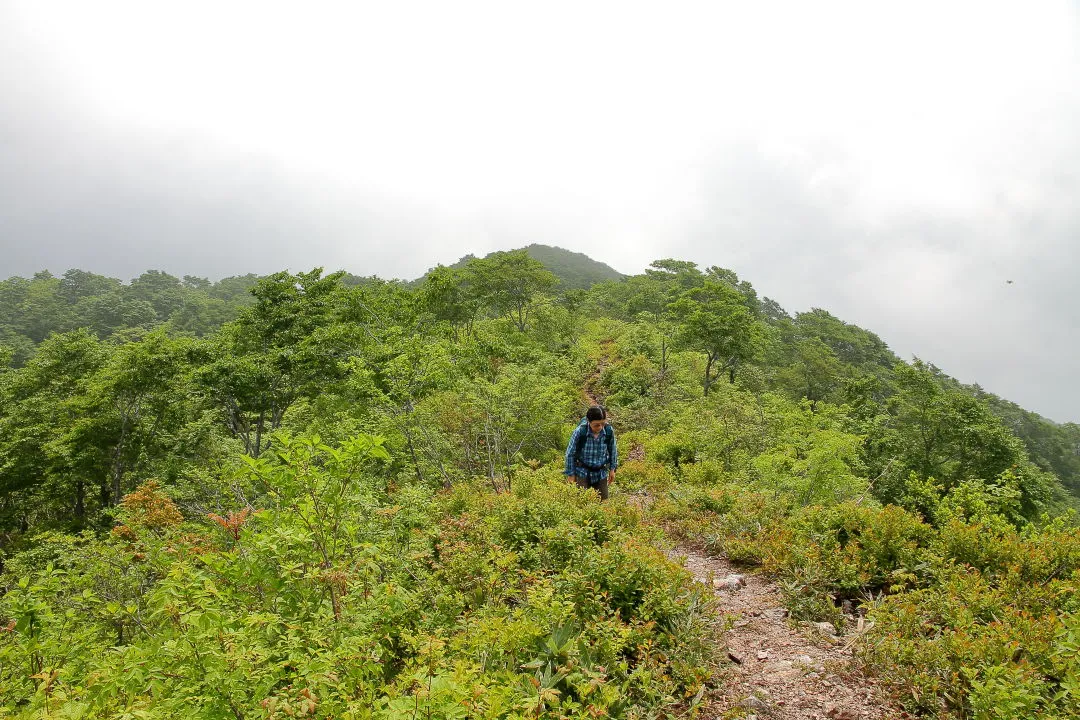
(592, 455)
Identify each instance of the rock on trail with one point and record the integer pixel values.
(777, 670)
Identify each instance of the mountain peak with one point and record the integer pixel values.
(575, 270)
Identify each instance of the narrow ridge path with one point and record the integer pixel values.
(777, 670)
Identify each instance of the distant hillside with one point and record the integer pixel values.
(1052, 446)
(576, 271)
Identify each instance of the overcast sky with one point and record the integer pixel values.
(894, 163)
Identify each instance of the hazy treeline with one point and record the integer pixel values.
(111, 383)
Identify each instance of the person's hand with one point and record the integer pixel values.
(572, 479)
(611, 477)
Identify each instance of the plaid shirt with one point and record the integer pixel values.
(594, 452)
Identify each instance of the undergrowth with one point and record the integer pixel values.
(335, 596)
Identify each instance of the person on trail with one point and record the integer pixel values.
(592, 455)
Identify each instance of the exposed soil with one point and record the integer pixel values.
(592, 388)
(780, 670)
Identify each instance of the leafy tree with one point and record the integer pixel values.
(163, 291)
(497, 426)
(682, 273)
(715, 320)
(193, 282)
(850, 343)
(17, 349)
(508, 282)
(138, 401)
(115, 311)
(816, 373)
(13, 293)
(79, 284)
(650, 298)
(815, 461)
(446, 295)
(261, 363)
(744, 288)
(200, 315)
(43, 308)
(945, 434)
(236, 289)
(772, 312)
(41, 474)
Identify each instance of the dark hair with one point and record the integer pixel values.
(595, 413)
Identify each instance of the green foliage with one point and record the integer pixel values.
(945, 434)
(493, 428)
(717, 320)
(446, 296)
(329, 495)
(508, 282)
(814, 461)
(341, 598)
(968, 619)
(272, 355)
(575, 270)
(32, 310)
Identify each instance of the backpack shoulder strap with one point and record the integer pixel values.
(579, 440)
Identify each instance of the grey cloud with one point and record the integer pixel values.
(930, 285)
(76, 193)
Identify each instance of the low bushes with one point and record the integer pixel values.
(970, 619)
(341, 598)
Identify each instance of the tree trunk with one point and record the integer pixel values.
(116, 473)
(708, 373)
(80, 501)
(412, 452)
(258, 435)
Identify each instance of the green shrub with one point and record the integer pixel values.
(341, 598)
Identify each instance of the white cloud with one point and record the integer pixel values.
(894, 163)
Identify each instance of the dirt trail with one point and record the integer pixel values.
(777, 670)
(591, 388)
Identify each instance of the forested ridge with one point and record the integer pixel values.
(335, 496)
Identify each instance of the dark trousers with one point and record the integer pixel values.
(600, 487)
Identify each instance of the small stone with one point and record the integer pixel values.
(731, 583)
(825, 628)
(755, 703)
(847, 607)
(781, 671)
(735, 657)
(763, 655)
